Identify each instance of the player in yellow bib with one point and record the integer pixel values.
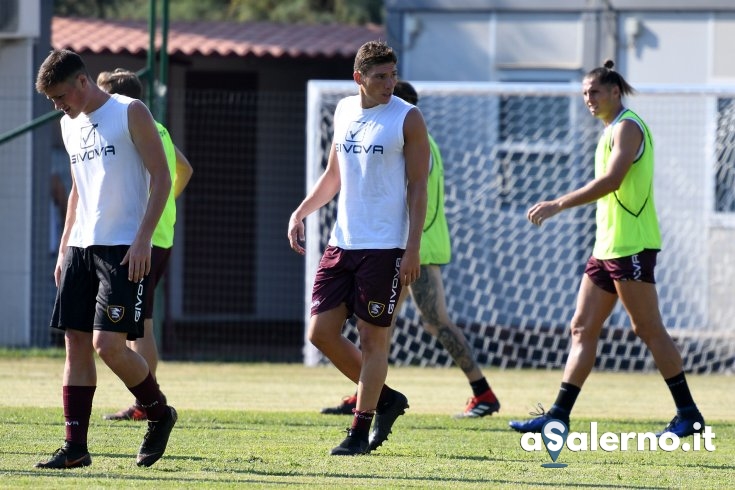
(125, 82)
(624, 255)
(428, 290)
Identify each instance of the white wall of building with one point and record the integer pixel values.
(19, 30)
(16, 76)
(652, 41)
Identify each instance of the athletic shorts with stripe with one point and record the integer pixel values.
(95, 293)
(636, 267)
(159, 263)
(366, 281)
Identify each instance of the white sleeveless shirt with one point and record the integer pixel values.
(372, 210)
(112, 182)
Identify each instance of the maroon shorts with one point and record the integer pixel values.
(159, 264)
(366, 281)
(636, 267)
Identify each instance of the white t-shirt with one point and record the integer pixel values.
(372, 211)
(112, 182)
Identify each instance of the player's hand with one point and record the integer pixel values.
(138, 258)
(296, 234)
(410, 269)
(59, 266)
(541, 211)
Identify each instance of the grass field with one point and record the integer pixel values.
(258, 426)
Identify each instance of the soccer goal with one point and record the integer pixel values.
(512, 286)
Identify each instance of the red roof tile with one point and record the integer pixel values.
(240, 39)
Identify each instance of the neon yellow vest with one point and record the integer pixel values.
(163, 235)
(436, 248)
(626, 219)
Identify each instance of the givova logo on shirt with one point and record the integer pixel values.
(88, 146)
(353, 140)
(356, 131)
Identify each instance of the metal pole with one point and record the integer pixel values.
(49, 116)
(150, 65)
(163, 75)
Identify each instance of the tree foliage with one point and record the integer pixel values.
(287, 11)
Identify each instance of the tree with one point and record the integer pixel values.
(310, 11)
(86, 8)
(287, 11)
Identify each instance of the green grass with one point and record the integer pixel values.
(257, 425)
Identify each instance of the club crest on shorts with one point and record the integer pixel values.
(115, 313)
(375, 309)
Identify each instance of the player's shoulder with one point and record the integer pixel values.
(120, 99)
(348, 101)
(402, 103)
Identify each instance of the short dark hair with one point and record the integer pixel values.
(373, 53)
(405, 91)
(120, 81)
(58, 67)
(607, 76)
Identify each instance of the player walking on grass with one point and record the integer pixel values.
(120, 182)
(378, 163)
(428, 290)
(624, 255)
(127, 83)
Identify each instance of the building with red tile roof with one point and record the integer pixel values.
(222, 39)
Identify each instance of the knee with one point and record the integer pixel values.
(582, 333)
(650, 333)
(107, 348)
(78, 343)
(313, 336)
(373, 338)
(318, 335)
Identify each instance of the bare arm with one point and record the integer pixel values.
(71, 216)
(148, 143)
(324, 191)
(416, 153)
(184, 172)
(627, 140)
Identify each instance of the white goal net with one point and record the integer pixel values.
(512, 286)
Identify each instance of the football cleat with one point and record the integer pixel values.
(67, 457)
(134, 412)
(353, 445)
(540, 418)
(349, 403)
(684, 424)
(385, 416)
(480, 406)
(156, 438)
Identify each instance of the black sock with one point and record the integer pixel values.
(566, 398)
(680, 391)
(76, 447)
(479, 387)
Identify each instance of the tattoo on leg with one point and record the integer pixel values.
(425, 295)
(458, 347)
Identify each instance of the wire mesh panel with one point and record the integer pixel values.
(512, 286)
